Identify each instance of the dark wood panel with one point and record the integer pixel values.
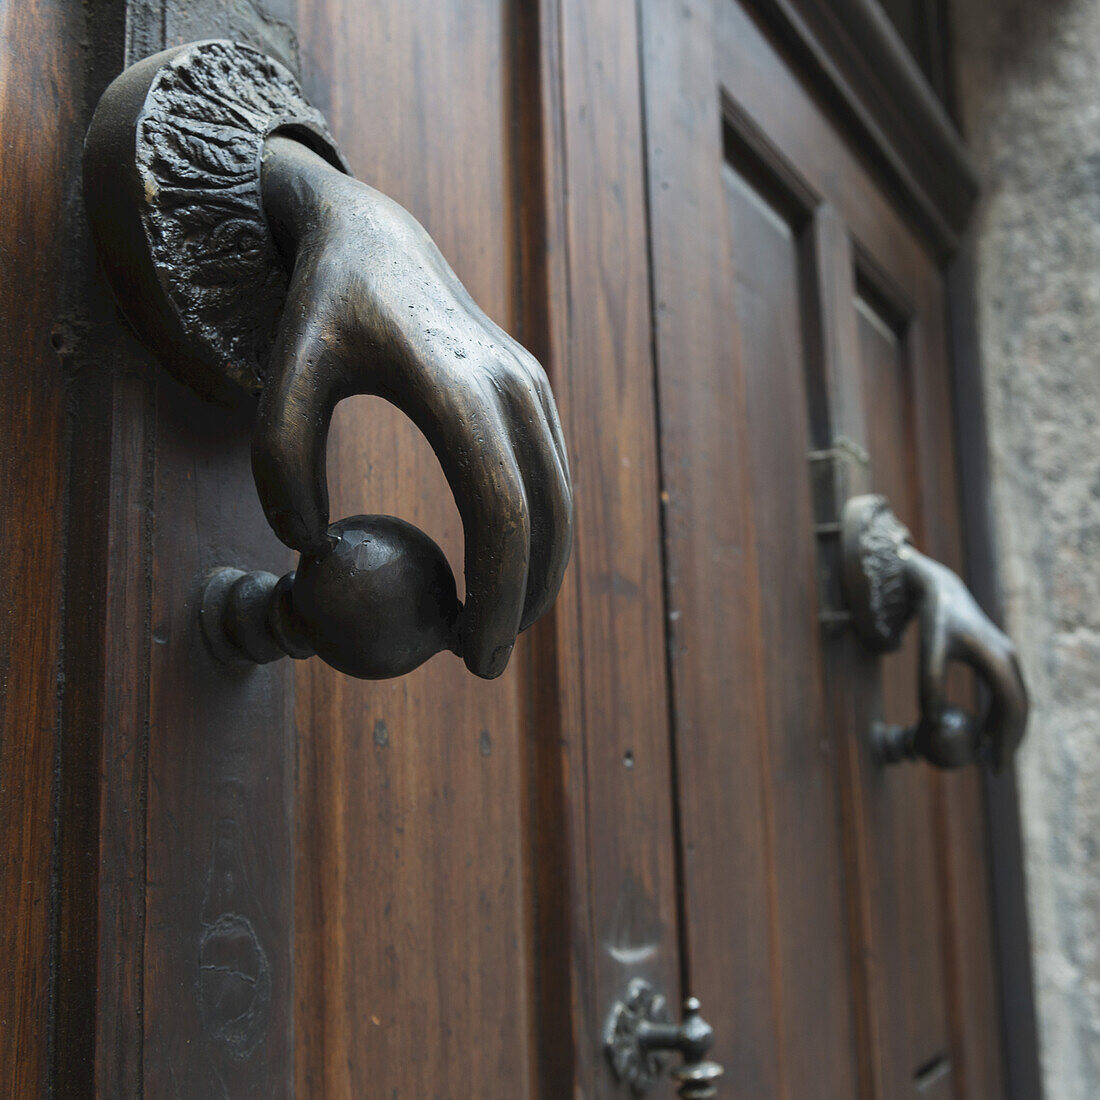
(807, 849)
(860, 69)
(611, 638)
(94, 1029)
(194, 824)
(926, 889)
(910, 971)
(1012, 952)
(565, 1015)
(784, 110)
(40, 91)
(869, 234)
(924, 27)
(726, 814)
(976, 999)
(839, 424)
(216, 991)
(414, 906)
(105, 713)
(760, 816)
(963, 839)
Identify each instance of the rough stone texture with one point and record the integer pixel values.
(1028, 75)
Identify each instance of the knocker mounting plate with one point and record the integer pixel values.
(184, 237)
(879, 596)
(639, 1067)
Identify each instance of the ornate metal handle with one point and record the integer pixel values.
(640, 1032)
(887, 581)
(245, 254)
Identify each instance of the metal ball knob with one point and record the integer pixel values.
(380, 603)
(377, 604)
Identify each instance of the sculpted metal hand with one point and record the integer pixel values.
(954, 627)
(373, 308)
(244, 253)
(887, 581)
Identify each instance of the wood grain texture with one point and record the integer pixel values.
(104, 709)
(40, 88)
(438, 886)
(477, 212)
(615, 716)
(216, 995)
(908, 901)
(777, 322)
(413, 939)
(190, 840)
(761, 826)
(565, 1014)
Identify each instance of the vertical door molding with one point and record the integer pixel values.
(615, 733)
(174, 933)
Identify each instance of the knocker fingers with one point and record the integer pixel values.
(993, 657)
(541, 456)
(290, 435)
(954, 627)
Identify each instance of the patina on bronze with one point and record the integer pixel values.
(887, 582)
(243, 252)
(380, 570)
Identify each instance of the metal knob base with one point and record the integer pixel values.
(640, 1033)
(246, 617)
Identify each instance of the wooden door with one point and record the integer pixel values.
(284, 881)
(838, 914)
(518, 841)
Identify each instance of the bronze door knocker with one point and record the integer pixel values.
(245, 254)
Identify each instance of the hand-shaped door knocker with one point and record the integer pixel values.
(242, 250)
(887, 582)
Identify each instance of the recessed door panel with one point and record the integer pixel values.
(817, 338)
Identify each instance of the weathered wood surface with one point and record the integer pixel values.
(413, 930)
(39, 106)
(438, 886)
(819, 322)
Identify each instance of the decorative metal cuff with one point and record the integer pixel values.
(193, 230)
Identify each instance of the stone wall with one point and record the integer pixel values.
(1028, 81)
